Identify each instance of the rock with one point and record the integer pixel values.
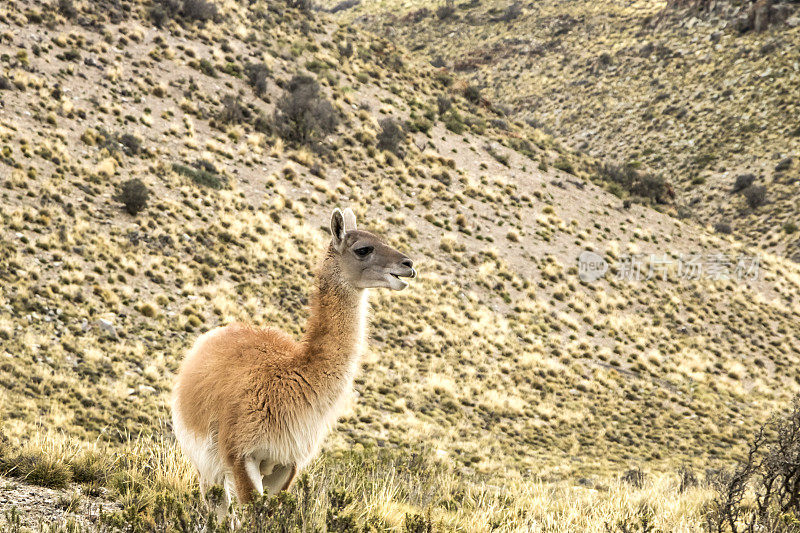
(107, 327)
(784, 164)
(793, 22)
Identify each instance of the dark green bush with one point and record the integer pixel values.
(443, 103)
(130, 143)
(454, 122)
(257, 77)
(202, 176)
(232, 111)
(133, 194)
(199, 10)
(723, 227)
(473, 94)
(67, 9)
(756, 196)
(303, 115)
(743, 181)
(446, 11)
(391, 135)
(640, 184)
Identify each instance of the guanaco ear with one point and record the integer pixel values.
(349, 219)
(337, 229)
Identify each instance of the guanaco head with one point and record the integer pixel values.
(364, 259)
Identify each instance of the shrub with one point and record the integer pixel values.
(443, 78)
(257, 77)
(443, 103)
(344, 5)
(438, 62)
(67, 9)
(743, 181)
(642, 184)
(634, 477)
(473, 94)
(391, 135)
(159, 16)
(203, 174)
(206, 67)
(130, 143)
(345, 49)
(303, 5)
(200, 10)
(756, 196)
(512, 12)
(454, 122)
(784, 164)
(133, 194)
(564, 164)
(418, 523)
(763, 491)
(446, 11)
(302, 115)
(232, 111)
(723, 227)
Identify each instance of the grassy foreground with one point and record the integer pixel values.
(370, 489)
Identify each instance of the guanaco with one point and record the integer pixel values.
(252, 405)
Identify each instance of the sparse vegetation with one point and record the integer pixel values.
(601, 100)
(502, 391)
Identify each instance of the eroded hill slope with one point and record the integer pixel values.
(683, 92)
(499, 366)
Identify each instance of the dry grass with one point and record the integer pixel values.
(512, 380)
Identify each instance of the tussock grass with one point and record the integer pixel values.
(392, 488)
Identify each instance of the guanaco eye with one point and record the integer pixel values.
(364, 251)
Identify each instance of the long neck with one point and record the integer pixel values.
(336, 325)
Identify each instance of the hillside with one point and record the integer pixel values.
(696, 96)
(498, 391)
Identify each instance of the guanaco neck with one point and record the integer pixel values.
(335, 329)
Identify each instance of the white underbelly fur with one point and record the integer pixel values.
(296, 445)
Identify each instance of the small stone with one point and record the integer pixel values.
(107, 326)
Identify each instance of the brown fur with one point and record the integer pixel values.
(244, 383)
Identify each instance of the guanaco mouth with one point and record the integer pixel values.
(412, 274)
